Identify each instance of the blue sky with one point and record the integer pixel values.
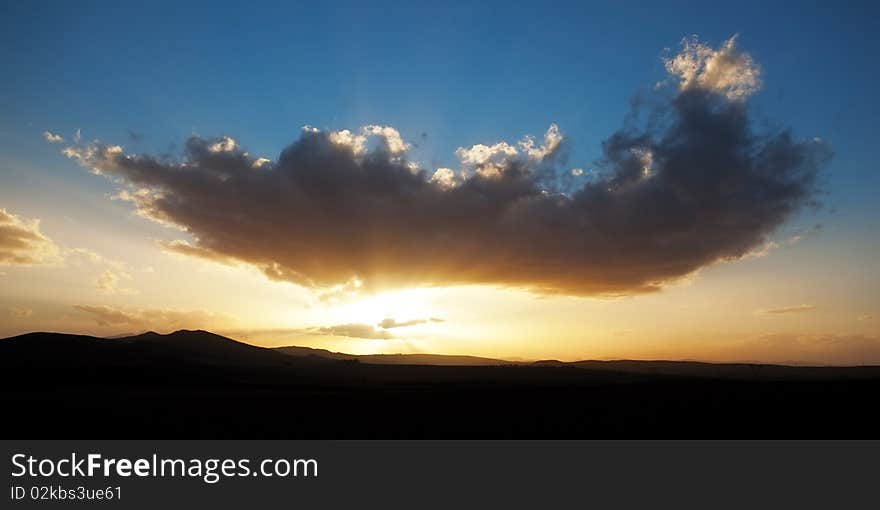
(147, 75)
(477, 72)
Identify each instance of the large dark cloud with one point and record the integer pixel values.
(693, 185)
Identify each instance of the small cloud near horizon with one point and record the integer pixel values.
(19, 312)
(389, 323)
(353, 330)
(788, 310)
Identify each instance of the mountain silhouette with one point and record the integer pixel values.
(196, 384)
(181, 346)
(394, 359)
(205, 347)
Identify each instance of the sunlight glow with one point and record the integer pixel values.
(404, 305)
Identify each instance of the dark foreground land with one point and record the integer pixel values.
(193, 384)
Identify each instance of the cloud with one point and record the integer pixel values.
(49, 137)
(22, 243)
(109, 281)
(690, 186)
(773, 244)
(19, 312)
(864, 317)
(155, 318)
(725, 71)
(107, 315)
(182, 247)
(389, 323)
(355, 331)
(369, 331)
(789, 310)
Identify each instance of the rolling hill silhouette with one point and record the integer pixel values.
(191, 384)
(394, 359)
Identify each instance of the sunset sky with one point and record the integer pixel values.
(675, 181)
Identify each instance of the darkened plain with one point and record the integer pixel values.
(194, 384)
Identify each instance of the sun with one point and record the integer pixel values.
(402, 305)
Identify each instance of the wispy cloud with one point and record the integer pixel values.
(109, 282)
(789, 310)
(389, 323)
(19, 312)
(356, 331)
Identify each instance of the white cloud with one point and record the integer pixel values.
(725, 71)
(223, 144)
(260, 162)
(552, 141)
(444, 177)
(52, 138)
(392, 137)
(492, 160)
(357, 143)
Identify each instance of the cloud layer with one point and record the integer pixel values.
(158, 318)
(337, 210)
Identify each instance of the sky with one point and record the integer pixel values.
(523, 181)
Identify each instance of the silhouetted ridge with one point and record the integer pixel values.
(49, 343)
(208, 347)
(190, 384)
(45, 350)
(392, 359)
